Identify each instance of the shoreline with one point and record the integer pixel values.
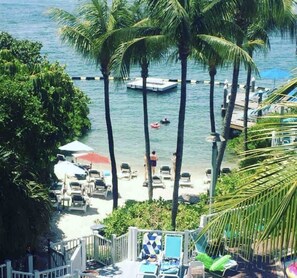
(74, 224)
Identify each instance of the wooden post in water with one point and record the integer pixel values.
(224, 105)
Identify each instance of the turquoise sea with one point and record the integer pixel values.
(27, 19)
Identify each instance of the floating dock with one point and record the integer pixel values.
(152, 84)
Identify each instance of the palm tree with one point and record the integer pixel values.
(247, 13)
(180, 22)
(259, 31)
(267, 197)
(91, 32)
(144, 48)
(174, 18)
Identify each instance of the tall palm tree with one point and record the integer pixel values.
(218, 52)
(181, 21)
(259, 31)
(174, 18)
(91, 32)
(247, 13)
(266, 199)
(141, 50)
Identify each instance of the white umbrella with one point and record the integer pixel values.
(76, 146)
(66, 168)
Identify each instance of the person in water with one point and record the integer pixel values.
(153, 160)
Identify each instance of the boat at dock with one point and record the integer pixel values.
(152, 84)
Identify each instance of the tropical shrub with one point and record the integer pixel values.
(154, 215)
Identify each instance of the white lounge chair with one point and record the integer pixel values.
(165, 172)
(158, 182)
(185, 179)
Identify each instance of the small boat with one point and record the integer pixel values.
(155, 125)
(165, 121)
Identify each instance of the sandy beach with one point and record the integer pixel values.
(74, 224)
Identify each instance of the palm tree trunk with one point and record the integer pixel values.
(180, 135)
(246, 105)
(212, 73)
(115, 191)
(144, 75)
(227, 120)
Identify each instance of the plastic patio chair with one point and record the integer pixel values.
(150, 254)
(172, 256)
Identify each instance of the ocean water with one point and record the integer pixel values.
(27, 19)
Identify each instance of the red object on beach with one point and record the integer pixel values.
(94, 158)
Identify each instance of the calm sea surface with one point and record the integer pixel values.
(27, 19)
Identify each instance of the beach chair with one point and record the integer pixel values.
(150, 254)
(78, 202)
(158, 182)
(185, 179)
(172, 256)
(165, 172)
(219, 264)
(75, 188)
(93, 175)
(101, 188)
(126, 170)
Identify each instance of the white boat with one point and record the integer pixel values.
(152, 84)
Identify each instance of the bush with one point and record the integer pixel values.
(154, 215)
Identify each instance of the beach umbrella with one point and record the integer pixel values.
(93, 157)
(76, 146)
(275, 74)
(66, 168)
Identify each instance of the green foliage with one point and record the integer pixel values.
(228, 184)
(154, 215)
(24, 205)
(40, 109)
(259, 137)
(38, 102)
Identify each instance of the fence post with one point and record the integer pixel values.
(186, 248)
(132, 244)
(203, 221)
(96, 245)
(83, 254)
(113, 249)
(36, 274)
(30, 263)
(8, 269)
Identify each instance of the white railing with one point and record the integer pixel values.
(62, 271)
(21, 274)
(120, 248)
(2, 270)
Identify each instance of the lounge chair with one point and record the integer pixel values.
(165, 172)
(150, 254)
(219, 264)
(75, 188)
(172, 256)
(93, 175)
(126, 170)
(185, 179)
(101, 188)
(78, 202)
(158, 182)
